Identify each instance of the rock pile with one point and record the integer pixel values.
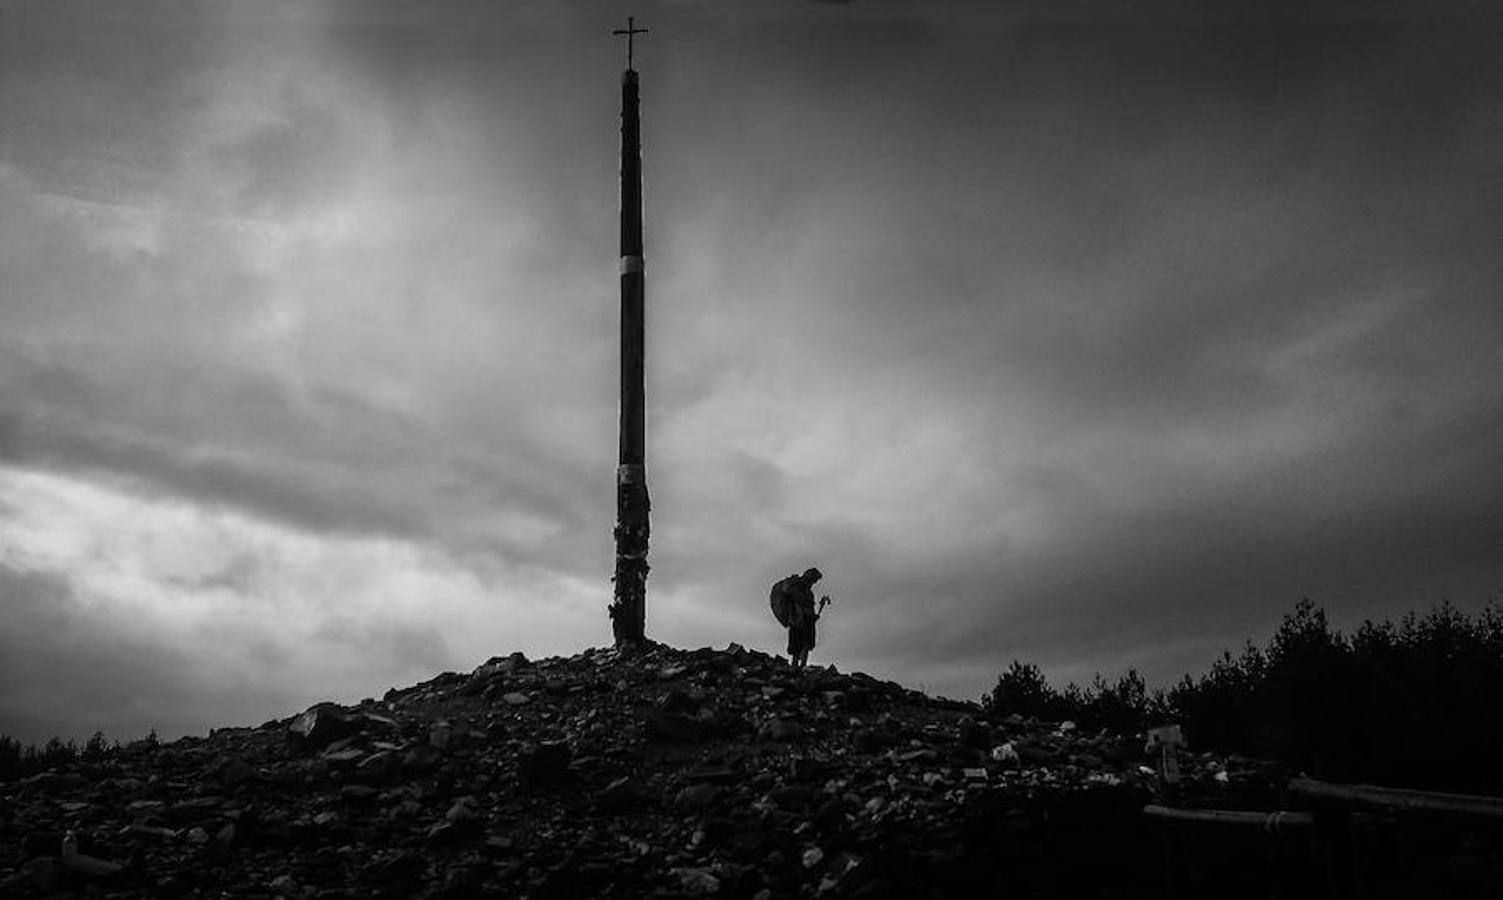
(662, 773)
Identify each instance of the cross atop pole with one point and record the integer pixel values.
(630, 31)
(629, 604)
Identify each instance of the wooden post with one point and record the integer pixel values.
(629, 606)
(1167, 740)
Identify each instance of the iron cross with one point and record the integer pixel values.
(630, 30)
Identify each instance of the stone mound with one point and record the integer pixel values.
(660, 773)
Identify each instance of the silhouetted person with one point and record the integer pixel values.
(793, 604)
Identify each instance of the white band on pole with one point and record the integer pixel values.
(631, 473)
(632, 264)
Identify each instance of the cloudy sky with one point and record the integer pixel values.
(1088, 334)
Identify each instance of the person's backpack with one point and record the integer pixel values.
(782, 604)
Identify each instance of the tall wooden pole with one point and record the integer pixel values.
(629, 606)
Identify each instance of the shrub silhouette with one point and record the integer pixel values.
(1023, 690)
(1408, 705)
(19, 760)
(1123, 706)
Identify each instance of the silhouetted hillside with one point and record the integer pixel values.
(664, 773)
(671, 773)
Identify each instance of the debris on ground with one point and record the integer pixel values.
(657, 773)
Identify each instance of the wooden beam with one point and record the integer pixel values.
(1398, 800)
(1273, 822)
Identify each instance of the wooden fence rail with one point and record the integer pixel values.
(1397, 801)
(1270, 822)
(1356, 841)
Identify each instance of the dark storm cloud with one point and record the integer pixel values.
(1094, 335)
(1142, 235)
(291, 492)
(410, 649)
(67, 671)
(160, 398)
(278, 459)
(1405, 528)
(70, 667)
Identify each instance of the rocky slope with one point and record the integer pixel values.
(663, 773)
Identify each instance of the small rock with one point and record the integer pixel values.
(699, 796)
(382, 762)
(462, 881)
(678, 702)
(973, 734)
(382, 721)
(46, 873)
(462, 810)
(671, 726)
(446, 834)
(784, 730)
(224, 838)
(90, 867)
(320, 726)
(56, 780)
(804, 769)
(501, 665)
(544, 765)
(341, 744)
(619, 796)
(343, 757)
(1035, 753)
(794, 796)
(697, 882)
(869, 740)
(357, 793)
(398, 871)
(237, 772)
(422, 758)
(835, 879)
(830, 815)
